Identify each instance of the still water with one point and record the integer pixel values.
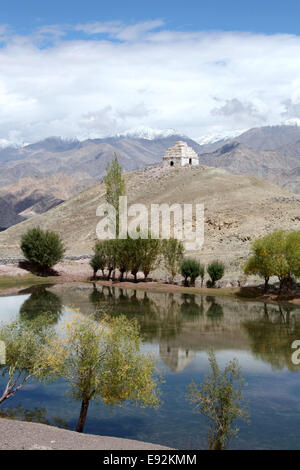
(179, 329)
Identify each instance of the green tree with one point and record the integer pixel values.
(216, 270)
(102, 360)
(173, 253)
(191, 269)
(276, 254)
(43, 249)
(135, 251)
(293, 253)
(110, 250)
(150, 252)
(99, 259)
(115, 186)
(220, 399)
(24, 343)
(123, 256)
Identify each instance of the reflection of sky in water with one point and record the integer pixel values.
(180, 338)
(10, 306)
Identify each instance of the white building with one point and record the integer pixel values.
(180, 155)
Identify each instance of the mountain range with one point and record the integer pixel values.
(38, 176)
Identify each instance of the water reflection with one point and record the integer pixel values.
(179, 328)
(41, 302)
(181, 324)
(33, 415)
(272, 334)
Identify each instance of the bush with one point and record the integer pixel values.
(216, 271)
(191, 269)
(43, 249)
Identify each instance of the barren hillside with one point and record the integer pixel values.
(237, 210)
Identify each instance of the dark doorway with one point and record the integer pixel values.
(190, 161)
(171, 163)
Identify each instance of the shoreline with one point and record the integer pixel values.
(10, 285)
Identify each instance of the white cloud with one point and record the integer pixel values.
(104, 78)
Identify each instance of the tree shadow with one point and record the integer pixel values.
(37, 270)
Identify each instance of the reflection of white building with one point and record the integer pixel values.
(175, 358)
(2, 353)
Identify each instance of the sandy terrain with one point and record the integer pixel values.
(20, 435)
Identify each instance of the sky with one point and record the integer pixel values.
(89, 69)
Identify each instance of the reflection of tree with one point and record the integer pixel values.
(156, 324)
(190, 309)
(215, 310)
(272, 336)
(159, 322)
(35, 415)
(42, 302)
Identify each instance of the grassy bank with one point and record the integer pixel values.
(8, 282)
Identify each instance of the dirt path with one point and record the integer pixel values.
(20, 435)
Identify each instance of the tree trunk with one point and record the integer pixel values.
(266, 283)
(109, 274)
(83, 414)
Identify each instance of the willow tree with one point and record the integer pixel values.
(173, 253)
(102, 360)
(23, 343)
(276, 254)
(220, 399)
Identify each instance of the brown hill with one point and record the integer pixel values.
(279, 167)
(31, 196)
(237, 210)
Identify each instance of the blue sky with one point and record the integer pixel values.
(264, 16)
(90, 69)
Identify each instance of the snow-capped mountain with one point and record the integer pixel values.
(148, 133)
(222, 136)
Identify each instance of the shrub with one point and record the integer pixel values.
(216, 271)
(191, 268)
(43, 249)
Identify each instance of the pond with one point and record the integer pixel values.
(179, 329)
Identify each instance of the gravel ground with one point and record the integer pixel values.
(20, 435)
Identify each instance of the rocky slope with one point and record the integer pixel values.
(272, 153)
(237, 210)
(31, 196)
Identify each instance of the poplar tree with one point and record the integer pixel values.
(115, 187)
